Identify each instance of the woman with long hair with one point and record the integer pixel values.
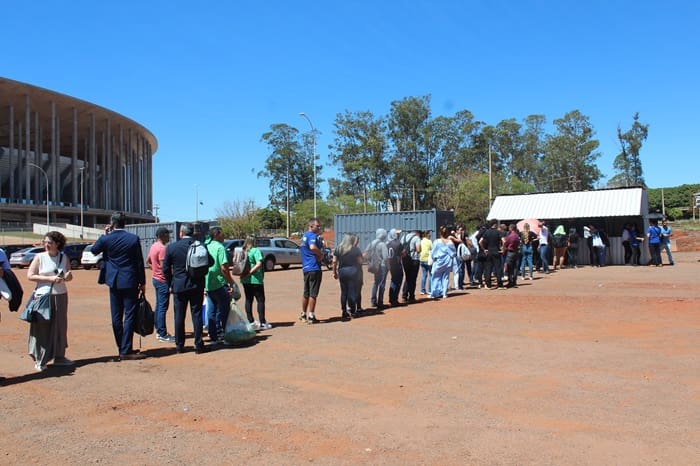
(527, 238)
(253, 284)
(443, 256)
(348, 259)
(51, 270)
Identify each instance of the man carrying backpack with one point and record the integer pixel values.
(187, 283)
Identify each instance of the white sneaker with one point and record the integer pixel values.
(39, 367)
(265, 326)
(256, 325)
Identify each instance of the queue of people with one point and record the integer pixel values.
(503, 252)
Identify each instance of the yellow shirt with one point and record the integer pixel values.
(425, 247)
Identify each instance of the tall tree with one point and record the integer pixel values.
(533, 148)
(408, 124)
(627, 163)
(570, 154)
(286, 167)
(360, 148)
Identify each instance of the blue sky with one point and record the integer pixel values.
(209, 78)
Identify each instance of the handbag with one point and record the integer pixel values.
(38, 308)
(145, 317)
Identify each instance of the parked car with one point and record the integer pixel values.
(89, 260)
(231, 245)
(74, 251)
(10, 248)
(24, 257)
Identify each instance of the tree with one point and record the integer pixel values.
(239, 218)
(570, 154)
(627, 163)
(408, 124)
(360, 147)
(290, 174)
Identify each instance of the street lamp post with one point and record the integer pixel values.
(313, 135)
(47, 193)
(82, 209)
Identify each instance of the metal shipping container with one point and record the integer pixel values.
(147, 232)
(365, 225)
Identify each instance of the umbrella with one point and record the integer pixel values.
(533, 222)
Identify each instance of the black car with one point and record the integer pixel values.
(74, 251)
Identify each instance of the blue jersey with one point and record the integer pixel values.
(309, 261)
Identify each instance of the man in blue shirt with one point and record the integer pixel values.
(666, 233)
(311, 256)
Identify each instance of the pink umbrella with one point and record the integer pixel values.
(533, 222)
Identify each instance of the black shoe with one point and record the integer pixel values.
(132, 356)
(179, 349)
(201, 349)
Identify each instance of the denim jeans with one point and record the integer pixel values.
(395, 285)
(666, 246)
(162, 304)
(424, 276)
(526, 251)
(544, 250)
(378, 286)
(218, 315)
(347, 276)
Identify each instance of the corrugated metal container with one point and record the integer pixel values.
(147, 232)
(365, 225)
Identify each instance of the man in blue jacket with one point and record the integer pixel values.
(187, 290)
(124, 274)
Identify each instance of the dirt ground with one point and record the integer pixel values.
(585, 366)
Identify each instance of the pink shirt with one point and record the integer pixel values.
(156, 255)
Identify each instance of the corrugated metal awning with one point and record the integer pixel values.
(581, 204)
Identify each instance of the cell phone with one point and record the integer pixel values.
(61, 273)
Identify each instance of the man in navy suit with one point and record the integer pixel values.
(186, 290)
(126, 278)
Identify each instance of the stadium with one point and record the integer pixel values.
(70, 160)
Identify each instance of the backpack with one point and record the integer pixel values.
(463, 252)
(239, 263)
(559, 241)
(198, 260)
(374, 262)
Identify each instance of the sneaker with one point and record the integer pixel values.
(167, 338)
(265, 326)
(256, 325)
(311, 319)
(302, 317)
(63, 362)
(39, 367)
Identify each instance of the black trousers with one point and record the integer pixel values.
(493, 265)
(194, 299)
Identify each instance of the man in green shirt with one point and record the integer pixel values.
(218, 286)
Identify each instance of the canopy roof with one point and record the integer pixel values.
(620, 202)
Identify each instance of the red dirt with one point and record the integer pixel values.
(586, 366)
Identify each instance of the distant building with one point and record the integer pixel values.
(86, 152)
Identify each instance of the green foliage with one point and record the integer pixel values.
(568, 163)
(238, 219)
(627, 163)
(270, 219)
(289, 166)
(679, 196)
